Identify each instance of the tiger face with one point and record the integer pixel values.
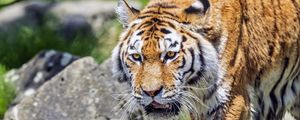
(165, 62)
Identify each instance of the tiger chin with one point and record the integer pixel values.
(194, 59)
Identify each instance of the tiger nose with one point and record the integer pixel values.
(153, 93)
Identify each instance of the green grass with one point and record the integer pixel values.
(17, 47)
(7, 92)
(107, 41)
(5, 1)
(144, 2)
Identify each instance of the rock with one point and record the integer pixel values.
(82, 91)
(67, 17)
(37, 71)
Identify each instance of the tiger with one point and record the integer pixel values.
(210, 59)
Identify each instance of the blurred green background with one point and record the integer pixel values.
(21, 41)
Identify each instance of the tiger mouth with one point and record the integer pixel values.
(157, 108)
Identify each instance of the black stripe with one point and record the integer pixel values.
(140, 33)
(184, 39)
(257, 80)
(171, 25)
(162, 5)
(171, 18)
(161, 24)
(164, 23)
(282, 92)
(123, 77)
(146, 26)
(194, 80)
(206, 4)
(271, 50)
(261, 102)
(210, 92)
(154, 19)
(127, 35)
(256, 115)
(144, 16)
(193, 10)
(151, 12)
(171, 14)
(192, 65)
(271, 115)
(191, 50)
(272, 94)
(133, 25)
(193, 59)
(174, 44)
(165, 31)
(201, 55)
(216, 110)
(119, 61)
(147, 23)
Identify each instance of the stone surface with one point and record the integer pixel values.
(67, 17)
(82, 91)
(37, 71)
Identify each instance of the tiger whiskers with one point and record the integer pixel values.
(190, 106)
(120, 96)
(198, 88)
(130, 109)
(190, 100)
(197, 99)
(194, 98)
(126, 104)
(127, 108)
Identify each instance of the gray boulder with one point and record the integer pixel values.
(37, 71)
(82, 91)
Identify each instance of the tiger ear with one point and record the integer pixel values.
(199, 7)
(126, 13)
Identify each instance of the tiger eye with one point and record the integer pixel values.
(171, 54)
(136, 56)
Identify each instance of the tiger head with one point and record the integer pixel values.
(170, 65)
